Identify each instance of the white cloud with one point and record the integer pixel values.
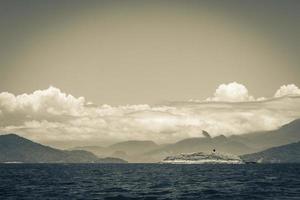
(51, 101)
(51, 116)
(287, 90)
(232, 92)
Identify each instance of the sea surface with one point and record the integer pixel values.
(149, 181)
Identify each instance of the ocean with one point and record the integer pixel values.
(149, 181)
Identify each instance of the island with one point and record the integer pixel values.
(203, 158)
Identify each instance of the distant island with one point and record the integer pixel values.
(203, 158)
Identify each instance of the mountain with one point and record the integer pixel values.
(97, 150)
(131, 150)
(148, 151)
(289, 153)
(133, 147)
(203, 144)
(266, 139)
(14, 148)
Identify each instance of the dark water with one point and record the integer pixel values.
(149, 181)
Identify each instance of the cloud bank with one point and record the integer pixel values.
(53, 117)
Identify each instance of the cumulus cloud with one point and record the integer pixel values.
(287, 90)
(232, 92)
(51, 116)
(236, 92)
(51, 101)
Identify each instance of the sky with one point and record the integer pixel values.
(74, 72)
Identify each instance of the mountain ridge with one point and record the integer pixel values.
(236, 144)
(289, 153)
(14, 148)
(288, 133)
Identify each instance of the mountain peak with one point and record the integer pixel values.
(12, 135)
(205, 134)
(220, 137)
